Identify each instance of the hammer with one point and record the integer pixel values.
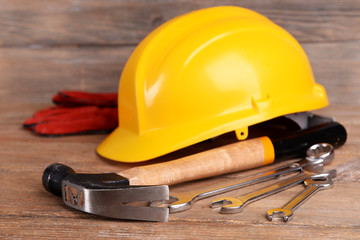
(120, 195)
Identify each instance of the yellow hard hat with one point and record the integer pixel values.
(206, 73)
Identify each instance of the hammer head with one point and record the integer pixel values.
(107, 195)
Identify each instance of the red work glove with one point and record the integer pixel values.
(76, 113)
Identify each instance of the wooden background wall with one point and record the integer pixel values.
(49, 45)
(80, 44)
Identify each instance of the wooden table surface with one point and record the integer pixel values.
(46, 46)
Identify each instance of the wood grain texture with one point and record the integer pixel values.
(46, 46)
(113, 22)
(213, 162)
(335, 65)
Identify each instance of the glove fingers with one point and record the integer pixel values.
(62, 118)
(45, 115)
(101, 123)
(56, 110)
(79, 112)
(38, 117)
(59, 113)
(77, 98)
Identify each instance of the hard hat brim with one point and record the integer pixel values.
(126, 146)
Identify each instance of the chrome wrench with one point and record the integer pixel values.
(312, 186)
(236, 204)
(318, 155)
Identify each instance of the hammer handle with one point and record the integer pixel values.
(226, 159)
(237, 156)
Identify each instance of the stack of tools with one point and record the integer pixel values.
(109, 195)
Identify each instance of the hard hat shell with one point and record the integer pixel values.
(206, 73)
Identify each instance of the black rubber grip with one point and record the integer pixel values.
(295, 144)
(53, 175)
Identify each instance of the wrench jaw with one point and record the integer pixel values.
(228, 204)
(181, 203)
(320, 154)
(323, 176)
(125, 202)
(324, 184)
(277, 213)
(317, 156)
(315, 183)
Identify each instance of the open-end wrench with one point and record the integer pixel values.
(236, 204)
(318, 155)
(312, 186)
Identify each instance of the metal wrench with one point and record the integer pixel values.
(312, 186)
(318, 155)
(236, 204)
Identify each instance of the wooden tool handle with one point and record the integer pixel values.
(226, 159)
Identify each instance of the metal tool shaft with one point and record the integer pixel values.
(324, 155)
(236, 204)
(184, 200)
(286, 211)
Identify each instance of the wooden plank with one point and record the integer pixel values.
(29, 211)
(112, 22)
(94, 69)
(335, 66)
(94, 228)
(90, 228)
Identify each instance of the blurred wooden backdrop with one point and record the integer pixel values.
(49, 45)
